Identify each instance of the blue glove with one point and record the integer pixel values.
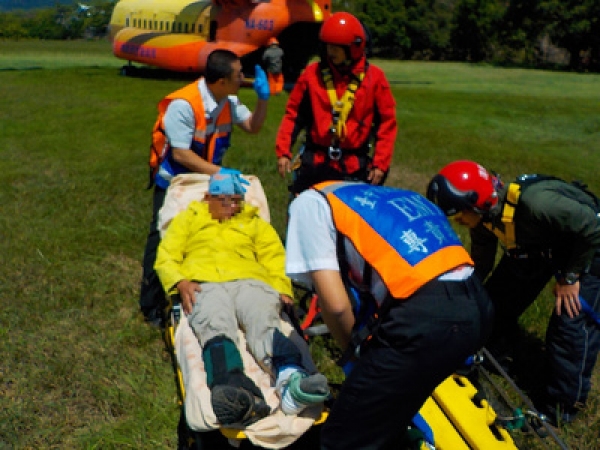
(228, 171)
(236, 177)
(261, 84)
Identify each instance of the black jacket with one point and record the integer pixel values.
(552, 217)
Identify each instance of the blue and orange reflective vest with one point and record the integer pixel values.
(404, 237)
(210, 140)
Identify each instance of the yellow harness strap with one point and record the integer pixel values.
(341, 107)
(508, 212)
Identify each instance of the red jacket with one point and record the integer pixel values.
(309, 108)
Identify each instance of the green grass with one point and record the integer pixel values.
(79, 367)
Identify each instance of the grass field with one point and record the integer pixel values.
(79, 368)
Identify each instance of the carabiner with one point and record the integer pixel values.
(334, 153)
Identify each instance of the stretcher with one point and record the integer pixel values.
(198, 423)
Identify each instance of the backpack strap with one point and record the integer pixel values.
(507, 237)
(508, 213)
(359, 293)
(366, 312)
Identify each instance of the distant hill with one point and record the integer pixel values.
(10, 5)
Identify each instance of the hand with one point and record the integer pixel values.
(375, 176)
(284, 166)
(567, 299)
(286, 300)
(187, 291)
(261, 84)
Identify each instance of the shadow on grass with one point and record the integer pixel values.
(154, 73)
(15, 69)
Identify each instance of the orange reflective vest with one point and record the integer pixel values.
(211, 138)
(405, 238)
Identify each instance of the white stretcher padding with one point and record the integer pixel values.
(192, 186)
(274, 431)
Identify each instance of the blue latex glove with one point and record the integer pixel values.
(236, 176)
(228, 171)
(261, 84)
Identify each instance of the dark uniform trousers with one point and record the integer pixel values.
(420, 342)
(152, 295)
(572, 345)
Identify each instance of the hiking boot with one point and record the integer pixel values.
(237, 405)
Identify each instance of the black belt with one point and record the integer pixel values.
(346, 151)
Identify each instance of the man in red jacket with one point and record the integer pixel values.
(345, 107)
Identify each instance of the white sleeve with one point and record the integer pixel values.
(239, 111)
(311, 237)
(180, 123)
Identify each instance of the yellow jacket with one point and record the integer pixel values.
(197, 247)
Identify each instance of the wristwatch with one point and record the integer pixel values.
(569, 278)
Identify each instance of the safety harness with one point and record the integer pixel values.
(340, 109)
(508, 238)
(508, 212)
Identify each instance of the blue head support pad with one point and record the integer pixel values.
(226, 184)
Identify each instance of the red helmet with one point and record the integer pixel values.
(344, 29)
(272, 40)
(463, 185)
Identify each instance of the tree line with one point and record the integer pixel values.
(72, 21)
(521, 32)
(533, 33)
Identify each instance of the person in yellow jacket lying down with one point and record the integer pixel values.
(228, 266)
